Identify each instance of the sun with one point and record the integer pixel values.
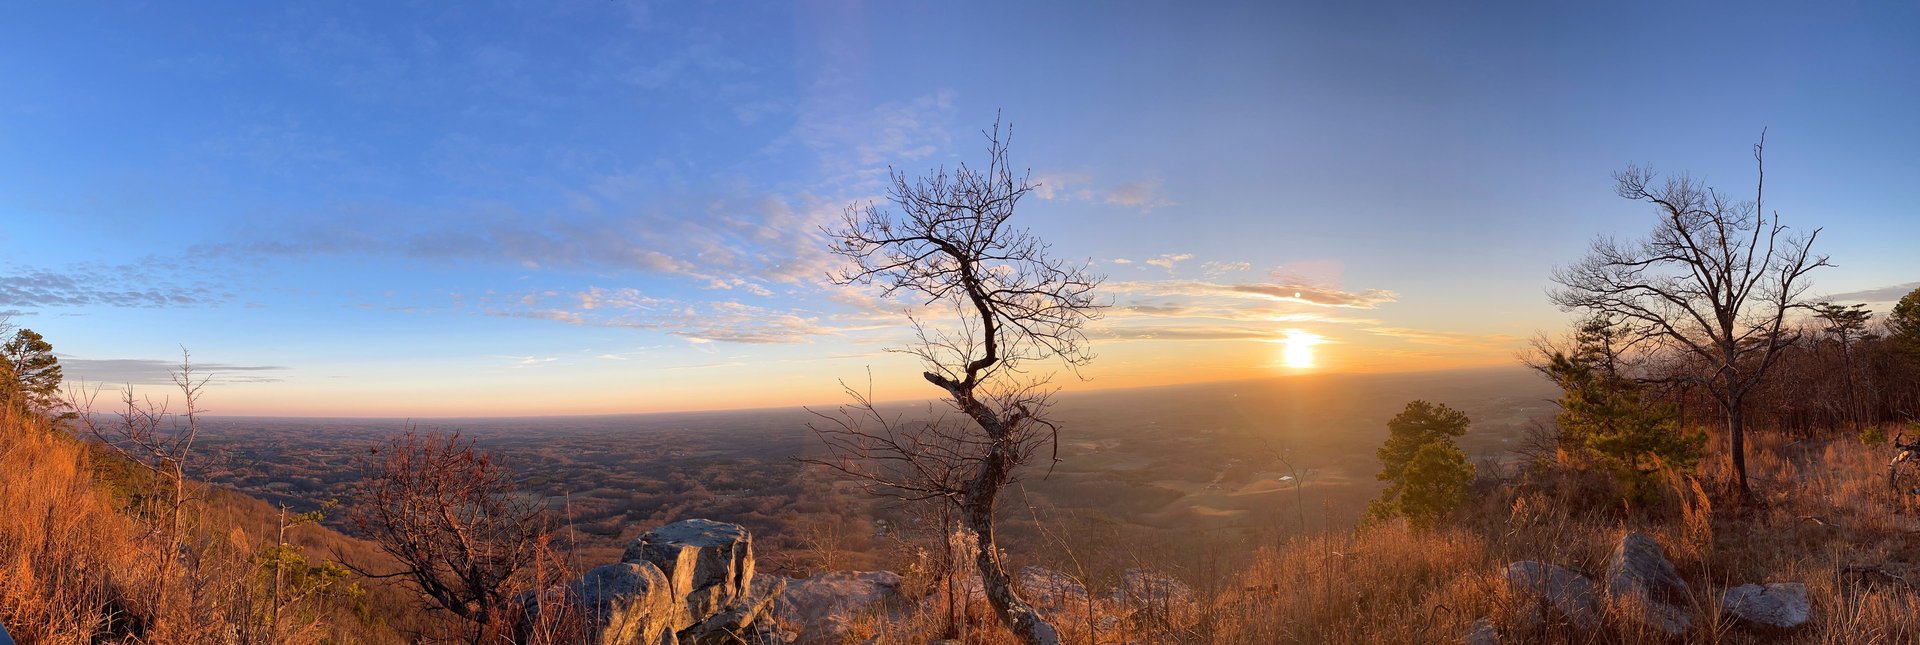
(1298, 350)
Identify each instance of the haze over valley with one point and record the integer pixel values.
(1155, 465)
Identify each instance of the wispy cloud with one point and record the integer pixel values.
(1208, 310)
(622, 298)
(1168, 260)
(733, 322)
(1295, 293)
(148, 283)
(140, 371)
(1450, 339)
(728, 244)
(726, 321)
(1063, 186)
(1882, 294)
(854, 142)
(1218, 269)
(1184, 333)
(1144, 194)
(556, 315)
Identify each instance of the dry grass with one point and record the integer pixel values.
(78, 564)
(80, 557)
(72, 568)
(1822, 515)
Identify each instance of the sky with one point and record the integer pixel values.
(475, 209)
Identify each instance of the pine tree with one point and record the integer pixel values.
(1428, 476)
(33, 372)
(1605, 416)
(1903, 324)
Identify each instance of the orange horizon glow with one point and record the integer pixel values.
(581, 390)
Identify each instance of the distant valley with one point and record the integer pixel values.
(1147, 469)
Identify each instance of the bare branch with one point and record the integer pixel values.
(1713, 280)
(950, 241)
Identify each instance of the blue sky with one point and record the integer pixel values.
(410, 209)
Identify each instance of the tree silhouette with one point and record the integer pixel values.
(33, 371)
(1714, 280)
(950, 242)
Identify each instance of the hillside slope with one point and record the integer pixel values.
(81, 558)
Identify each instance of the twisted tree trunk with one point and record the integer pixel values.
(977, 503)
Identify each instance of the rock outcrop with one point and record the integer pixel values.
(825, 606)
(1646, 589)
(741, 621)
(1552, 591)
(689, 582)
(710, 564)
(1780, 605)
(625, 602)
(693, 583)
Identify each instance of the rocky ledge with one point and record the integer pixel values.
(689, 582)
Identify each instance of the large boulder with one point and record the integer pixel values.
(1554, 590)
(740, 621)
(1646, 589)
(1780, 605)
(824, 606)
(710, 565)
(625, 603)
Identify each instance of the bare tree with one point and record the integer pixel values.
(141, 432)
(950, 242)
(1714, 280)
(448, 513)
(1283, 455)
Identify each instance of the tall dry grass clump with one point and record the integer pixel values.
(72, 568)
(1385, 583)
(82, 557)
(1822, 515)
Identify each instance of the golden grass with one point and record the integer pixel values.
(79, 565)
(1822, 515)
(71, 567)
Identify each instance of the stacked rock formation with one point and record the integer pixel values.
(686, 583)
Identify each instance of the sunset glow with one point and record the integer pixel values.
(1297, 349)
(504, 209)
